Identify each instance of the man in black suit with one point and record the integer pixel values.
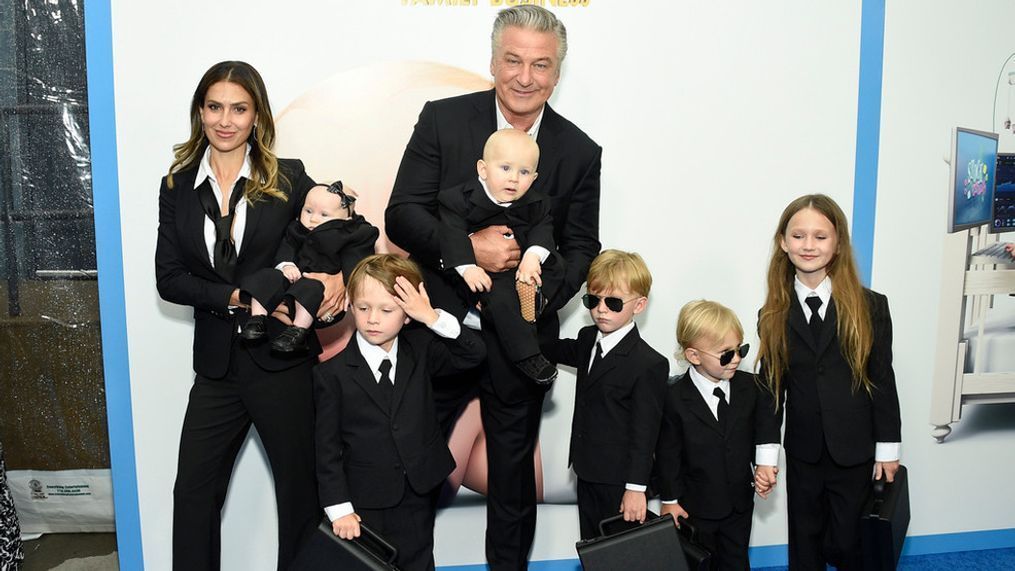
(529, 45)
(380, 453)
(717, 422)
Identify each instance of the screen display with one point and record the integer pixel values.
(975, 165)
(1004, 194)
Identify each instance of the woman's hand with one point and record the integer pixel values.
(334, 294)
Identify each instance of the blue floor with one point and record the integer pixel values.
(987, 559)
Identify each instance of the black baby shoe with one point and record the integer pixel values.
(538, 369)
(255, 328)
(292, 340)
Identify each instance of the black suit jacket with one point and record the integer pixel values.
(445, 144)
(184, 273)
(708, 470)
(366, 451)
(817, 390)
(617, 408)
(333, 247)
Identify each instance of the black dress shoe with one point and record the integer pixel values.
(293, 339)
(255, 328)
(538, 369)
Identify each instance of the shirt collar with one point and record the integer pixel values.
(824, 291)
(204, 169)
(706, 386)
(486, 189)
(374, 355)
(502, 122)
(610, 341)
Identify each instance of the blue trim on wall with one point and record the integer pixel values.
(868, 132)
(109, 255)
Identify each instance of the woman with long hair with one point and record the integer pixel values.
(223, 209)
(826, 354)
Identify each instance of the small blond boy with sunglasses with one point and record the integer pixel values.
(619, 394)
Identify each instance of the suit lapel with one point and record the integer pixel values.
(253, 216)
(799, 323)
(363, 376)
(403, 372)
(740, 401)
(696, 403)
(615, 357)
(828, 328)
(484, 122)
(548, 152)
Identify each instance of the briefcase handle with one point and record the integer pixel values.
(372, 542)
(616, 524)
(687, 529)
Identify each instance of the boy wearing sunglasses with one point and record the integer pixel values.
(328, 237)
(619, 394)
(717, 423)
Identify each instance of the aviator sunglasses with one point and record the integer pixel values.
(727, 356)
(614, 304)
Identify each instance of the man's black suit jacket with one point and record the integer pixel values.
(707, 470)
(366, 451)
(618, 407)
(822, 406)
(184, 273)
(447, 141)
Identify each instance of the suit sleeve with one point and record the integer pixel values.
(359, 245)
(299, 183)
(453, 232)
(646, 414)
(579, 236)
(767, 425)
(288, 247)
(566, 352)
(446, 356)
(541, 233)
(173, 279)
(885, 398)
(669, 450)
(411, 216)
(332, 486)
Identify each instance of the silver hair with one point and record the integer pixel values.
(530, 17)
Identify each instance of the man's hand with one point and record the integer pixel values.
(764, 480)
(495, 251)
(291, 273)
(334, 293)
(676, 511)
(632, 505)
(346, 527)
(529, 270)
(477, 279)
(888, 468)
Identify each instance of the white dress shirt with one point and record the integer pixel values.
(883, 451)
(445, 326)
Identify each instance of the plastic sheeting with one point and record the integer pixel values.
(52, 401)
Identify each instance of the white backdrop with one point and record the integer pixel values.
(712, 118)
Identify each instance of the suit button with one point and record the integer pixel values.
(394, 427)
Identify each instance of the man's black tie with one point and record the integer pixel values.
(598, 357)
(815, 322)
(224, 252)
(385, 385)
(722, 412)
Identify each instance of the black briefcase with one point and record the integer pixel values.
(324, 551)
(884, 521)
(698, 557)
(651, 546)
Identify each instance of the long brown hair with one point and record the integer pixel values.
(264, 173)
(853, 320)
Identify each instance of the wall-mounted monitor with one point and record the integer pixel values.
(973, 169)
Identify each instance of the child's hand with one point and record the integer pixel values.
(765, 480)
(346, 527)
(888, 468)
(676, 511)
(529, 270)
(291, 273)
(416, 304)
(632, 505)
(477, 279)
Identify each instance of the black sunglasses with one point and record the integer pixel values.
(337, 188)
(614, 304)
(726, 357)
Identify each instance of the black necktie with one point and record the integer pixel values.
(723, 410)
(598, 357)
(224, 251)
(814, 302)
(385, 385)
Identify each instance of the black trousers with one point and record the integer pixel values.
(596, 502)
(219, 415)
(408, 526)
(727, 539)
(511, 433)
(825, 501)
(270, 287)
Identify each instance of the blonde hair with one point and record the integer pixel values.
(853, 320)
(704, 319)
(615, 269)
(506, 141)
(264, 174)
(534, 18)
(384, 268)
